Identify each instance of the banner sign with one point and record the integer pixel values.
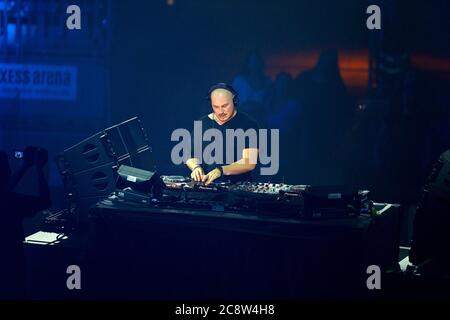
(38, 82)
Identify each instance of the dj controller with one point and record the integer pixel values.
(255, 188)
(260, 198)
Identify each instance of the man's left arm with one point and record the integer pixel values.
(246, 164)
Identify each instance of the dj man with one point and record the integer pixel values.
(225, 116)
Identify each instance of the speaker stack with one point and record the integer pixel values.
(89, 168)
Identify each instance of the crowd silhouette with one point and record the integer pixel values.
(14, 207)
(328, 137)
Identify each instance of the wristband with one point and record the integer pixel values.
(220, 169)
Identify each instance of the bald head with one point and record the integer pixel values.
(222, 104)
(222, 93)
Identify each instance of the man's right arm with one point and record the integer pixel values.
(197, 172)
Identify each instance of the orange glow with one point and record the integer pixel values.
(353, 65)
(429, 63)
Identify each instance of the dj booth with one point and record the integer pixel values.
(170, 238)
(171, 253)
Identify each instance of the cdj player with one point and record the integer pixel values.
(276, 199)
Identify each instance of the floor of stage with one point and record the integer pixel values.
(47, 274)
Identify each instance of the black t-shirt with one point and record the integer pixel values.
(239, 121)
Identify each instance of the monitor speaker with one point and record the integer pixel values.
(127, 137)
(95, 182)
(139, 180)
(89, 168)
(87, 154)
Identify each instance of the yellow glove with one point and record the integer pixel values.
(212, 175)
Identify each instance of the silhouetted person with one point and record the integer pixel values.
(284, 114)
(5, 171)
(253, 87)
(430, 245)
(411, 133)
(328, 110)
(13, 208)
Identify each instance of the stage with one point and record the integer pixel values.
(139, 252)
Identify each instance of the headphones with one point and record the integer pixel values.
(224, 86)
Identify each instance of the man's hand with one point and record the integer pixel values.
(197, 174)
(211, 176)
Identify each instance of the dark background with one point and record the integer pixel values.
(156, 60)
